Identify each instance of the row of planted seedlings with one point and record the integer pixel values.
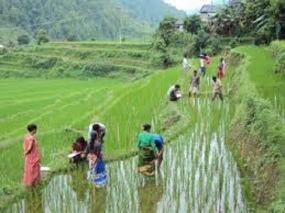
(121, 134)
(54, 134)
(63, 101)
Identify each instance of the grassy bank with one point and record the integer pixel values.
(256, 130)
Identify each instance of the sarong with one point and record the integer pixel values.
(97, 174)
(146, 164)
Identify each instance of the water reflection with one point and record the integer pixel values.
(150, 191)
(198, 174)
(33, 201)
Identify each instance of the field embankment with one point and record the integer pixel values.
(257, 131)
(78, 60)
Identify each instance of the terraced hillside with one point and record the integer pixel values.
(78, 60)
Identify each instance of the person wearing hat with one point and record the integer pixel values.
(147, 151)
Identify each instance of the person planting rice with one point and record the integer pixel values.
(185, 65)
(97, 173)
(98, 128)
(207, 58)
(158, 140)
(78, 149)
(174, 93)
(221, 68)
(147, 151)
(32, 173)
(217, 90)
(202, 65)
(194, 85)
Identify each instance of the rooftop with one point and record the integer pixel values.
(208, 8)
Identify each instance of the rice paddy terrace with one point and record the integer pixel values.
(198, 174)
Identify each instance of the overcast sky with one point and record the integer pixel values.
(187, 4)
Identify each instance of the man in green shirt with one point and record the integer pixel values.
(147, 151)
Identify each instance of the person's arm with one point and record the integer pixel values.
(31, 143)
(138, 141)
(153, 145)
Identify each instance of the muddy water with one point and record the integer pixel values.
(198, 174)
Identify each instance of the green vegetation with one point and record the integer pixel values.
(256, 130)
(78, 60)
(64, 108)
(123, 107)
(100, 19)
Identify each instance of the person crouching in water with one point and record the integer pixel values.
(147, 151)
(217, 90)
(158, 139)
(97, 173)
(79, 147)
(194, 85)
(174, 93)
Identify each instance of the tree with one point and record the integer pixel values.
(71, 38)
(192, 24)
(23, 39)
(166, 29)
(42, 37)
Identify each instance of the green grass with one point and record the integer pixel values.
(263, 97)
(127, 61)
(261, 71)
(123, 110)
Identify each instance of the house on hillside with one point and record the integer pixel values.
(179, 24)
(207, 11)
(235, 2)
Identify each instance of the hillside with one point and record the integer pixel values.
(85, 18)
(81, 60)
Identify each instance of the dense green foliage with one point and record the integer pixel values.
(85, 18)
(278, 52)
(255, 18)
(256, 130)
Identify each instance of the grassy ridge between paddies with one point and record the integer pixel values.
(257, 128)
(77, 60)
(123, 110)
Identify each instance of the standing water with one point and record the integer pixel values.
(198, 175)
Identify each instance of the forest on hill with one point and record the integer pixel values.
(82, 19)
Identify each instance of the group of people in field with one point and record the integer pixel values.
(150, 147)
(174, 92)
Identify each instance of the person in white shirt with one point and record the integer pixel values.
(173, 92)
(202, 65)
(185, 65)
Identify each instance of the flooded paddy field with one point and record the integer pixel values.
(198, 174)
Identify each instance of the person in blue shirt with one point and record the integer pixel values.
(158, 139)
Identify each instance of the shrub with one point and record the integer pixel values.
(23, 39)
(71, 38)
(101, 69)
(43, 63)
(278, 52)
